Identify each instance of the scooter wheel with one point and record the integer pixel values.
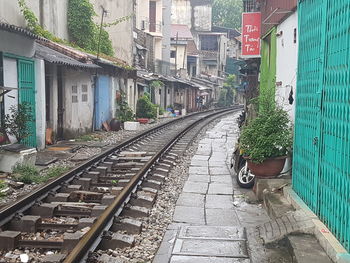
(245, 179)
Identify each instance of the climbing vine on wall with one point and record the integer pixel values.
(83, 30)
(33, 23)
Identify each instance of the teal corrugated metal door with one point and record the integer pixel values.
(334, 180)
(26, 85)
(321, 166)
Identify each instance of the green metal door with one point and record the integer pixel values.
(26, 85)
(321, 167)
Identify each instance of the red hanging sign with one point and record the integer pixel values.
(251, 28)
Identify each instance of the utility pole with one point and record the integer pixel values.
(177, 37)
(104, 12)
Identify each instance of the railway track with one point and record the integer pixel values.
(98, 204)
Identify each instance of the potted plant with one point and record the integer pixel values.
(266, 141)
(145, 109)
(16, 123)
(3, 137)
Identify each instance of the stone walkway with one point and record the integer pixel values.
(211, 216)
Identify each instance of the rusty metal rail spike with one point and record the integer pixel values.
(83, 247)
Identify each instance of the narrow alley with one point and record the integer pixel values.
(174, 131)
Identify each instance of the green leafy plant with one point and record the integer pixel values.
(156, 84)
(16, 123)
(33, 23)
(124, 113)
(222, 98)
(54, 172)
(85, 32)
(30, 174)
(145, 108)
(3, 185)
(267, 136)
(27, 174)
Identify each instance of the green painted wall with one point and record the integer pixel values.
(268, 66)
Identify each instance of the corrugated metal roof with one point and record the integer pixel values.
(20, 31)
(56, 57)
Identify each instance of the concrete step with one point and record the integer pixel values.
(276, 204)
(305, 249)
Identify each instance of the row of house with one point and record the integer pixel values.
(303, 64)
(72, 92)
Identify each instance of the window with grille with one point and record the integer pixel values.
(84, 94)
(209, 43)
(74, 94)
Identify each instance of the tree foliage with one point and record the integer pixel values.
(227, 13)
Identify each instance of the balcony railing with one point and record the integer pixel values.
(250, 6)
(145, 24)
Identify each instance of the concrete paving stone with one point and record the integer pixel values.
(195, 187)
(221, 217)
(201, 163)
(198, 170)
(225, 179)
(177, 226)
(166, 247)
(192, 200)
(218, 154)
(195, 259)
(220, 163)
(249, 215)
(221, 189)
(191, 215)
(199, 178)
(219, 170)
(205, 247)
(201, 157)
(213, 232)
(219, 201)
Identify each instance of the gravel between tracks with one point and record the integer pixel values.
(155, 225)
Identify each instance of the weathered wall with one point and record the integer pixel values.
(181, 56)
(122, 33)
(287, 59)
(181, 12)
(52, 14)
(196, 14)
(166, 30)
(78, 116)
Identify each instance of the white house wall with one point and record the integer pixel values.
(10, 80)
(286, 63)
(40, 103)
(16, 44)
(78, 116)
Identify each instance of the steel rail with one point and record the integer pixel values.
(84, 245)
(19, 206)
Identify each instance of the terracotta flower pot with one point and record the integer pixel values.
(268, 168)
(143, 120)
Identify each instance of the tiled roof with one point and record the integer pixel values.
(183, 31)
(192, 48)
(56, 57)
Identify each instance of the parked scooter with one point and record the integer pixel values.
(244, 177)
